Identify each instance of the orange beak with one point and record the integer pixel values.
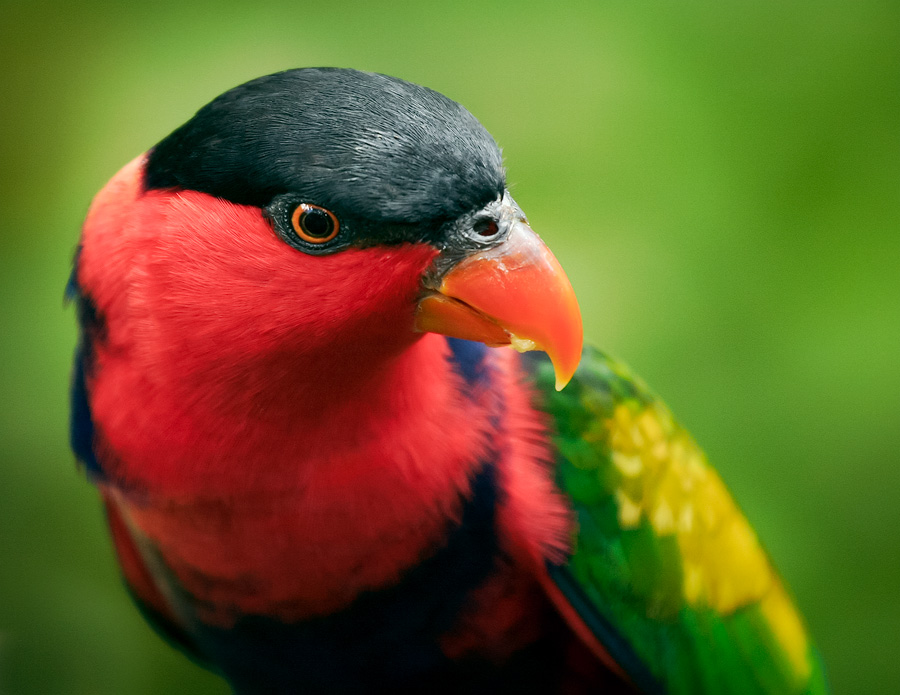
(512, 294)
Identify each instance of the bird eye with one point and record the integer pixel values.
(485, 227)
(314, 224)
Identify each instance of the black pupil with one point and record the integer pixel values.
(486, 227)
(316, 222)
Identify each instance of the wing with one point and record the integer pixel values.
(666, 571)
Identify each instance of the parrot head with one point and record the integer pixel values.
(328, 214)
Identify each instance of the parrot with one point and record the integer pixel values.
(323, 470)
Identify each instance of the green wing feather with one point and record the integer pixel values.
(681, 591)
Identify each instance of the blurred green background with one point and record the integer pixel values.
(721, 180)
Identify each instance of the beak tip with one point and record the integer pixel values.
(565, 357)
(565, 351)
(563, 374)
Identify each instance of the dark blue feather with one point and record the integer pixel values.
(611, 639)
(81, 425)
(468, 360)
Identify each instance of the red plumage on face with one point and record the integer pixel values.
(202, 277)
(212, 319)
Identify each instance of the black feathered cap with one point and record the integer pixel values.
(374, 146)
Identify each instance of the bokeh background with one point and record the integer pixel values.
(721, 180)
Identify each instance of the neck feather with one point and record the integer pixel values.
(357, 484)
